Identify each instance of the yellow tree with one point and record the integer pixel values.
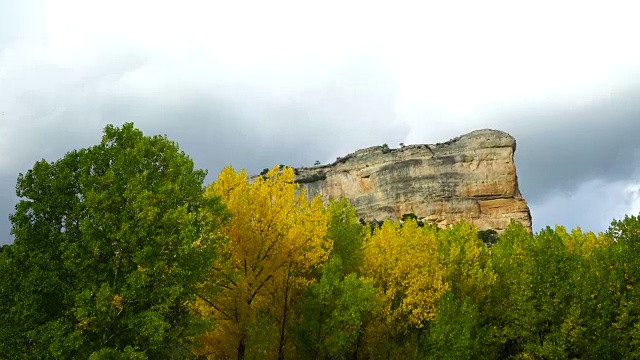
(408, 272)
(467, 260)
(581, 243)
(457, 330)
(274, 240)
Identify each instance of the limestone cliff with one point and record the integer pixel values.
(472, 177)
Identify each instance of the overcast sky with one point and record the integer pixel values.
(252, 83)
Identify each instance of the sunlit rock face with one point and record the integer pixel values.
(472, 177)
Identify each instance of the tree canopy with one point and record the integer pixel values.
(108, 251)
(275, 240)
(121, 252)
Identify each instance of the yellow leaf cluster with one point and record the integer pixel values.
(467, 260)
(407, 269)
(117, 302)
(582, 243)
(274, 239)
(272, 223)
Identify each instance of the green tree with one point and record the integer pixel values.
(467, 261)
(453, 334)
(107, 252)
(606, 324)
(334, 311)
(457, 329)
(535, 289)
(347, 235)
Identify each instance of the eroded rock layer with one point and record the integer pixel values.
(472, 177)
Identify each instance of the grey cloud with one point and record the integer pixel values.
(591, 206)
(7, 201)
(252, 118)
(352, 108)
(560, 150)
(48, 109)
(573, 162)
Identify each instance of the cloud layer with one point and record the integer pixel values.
(250, 84)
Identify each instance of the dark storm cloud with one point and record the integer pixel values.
(560, 149)
(570, 151)
(576, 163)
(247, 91)
(48, 109)
(592, 206)
(352, 107)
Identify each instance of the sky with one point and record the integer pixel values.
(254, 83)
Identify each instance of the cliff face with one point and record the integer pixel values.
(472, 177)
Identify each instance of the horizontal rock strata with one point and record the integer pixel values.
(472, 177)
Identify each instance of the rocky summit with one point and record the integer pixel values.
(472, 178)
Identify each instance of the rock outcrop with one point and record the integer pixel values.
(472, 177)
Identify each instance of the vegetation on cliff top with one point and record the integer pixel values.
(120, 252)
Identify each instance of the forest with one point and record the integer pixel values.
(121, 251)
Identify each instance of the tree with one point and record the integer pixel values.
(456, 332)
(405, 264)
(408, 273)
(606, 322)
(275, 241)
(347, 235)
(536, 282)
(107, 251)
(334, 311)
(467, 261)
(453, 334)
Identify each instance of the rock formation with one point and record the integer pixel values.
(472, 177)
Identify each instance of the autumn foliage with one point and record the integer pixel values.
(274, 242)
(121, 252)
